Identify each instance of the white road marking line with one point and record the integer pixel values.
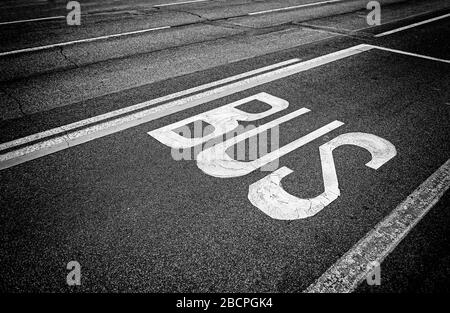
(33, 20)
(411, 54)
(99, 118)
(295, 7)
(387, 22)
(352, 268)
(412, 25)
(67, 43)
(40, 149)
(177, 3)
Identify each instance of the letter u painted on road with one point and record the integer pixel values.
(216, 162)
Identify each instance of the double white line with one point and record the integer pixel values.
(87, 40)
(70, 135)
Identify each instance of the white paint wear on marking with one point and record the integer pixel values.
(269, 196)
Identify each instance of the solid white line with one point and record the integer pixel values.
(353, 267)
(33, 20)
(295, 7)
(387, 22)
(40, 149)
(67, 43)
(411, 54)
(300, 142)
(99, 118)
(412, 25)
(176, 3)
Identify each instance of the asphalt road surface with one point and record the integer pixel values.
(357, 122)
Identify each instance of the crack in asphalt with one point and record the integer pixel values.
(19, 104)
(211, 21)
(61, 50)
(191, 13)
(234, 37)
(336, 31)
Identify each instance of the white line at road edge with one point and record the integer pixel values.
(412, 25)
(33, 20)
(345, 275)
(52, 145)
(295, 7)
(139, 106)
(68, 43)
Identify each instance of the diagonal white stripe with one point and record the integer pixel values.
(345, 275)
(412, 25)
(112, 114)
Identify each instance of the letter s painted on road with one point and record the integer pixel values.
(269, 196)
